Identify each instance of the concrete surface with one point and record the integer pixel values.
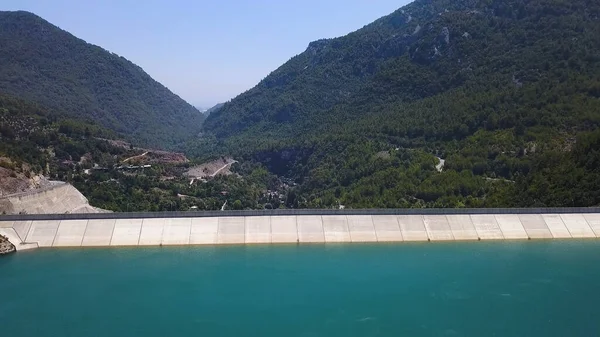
(204, 231)
(361, 228)
(438, 228)
(335, 228)
(152, 232)
(231, 230)
(535, 226)
(387, 228)
(126, 232)
(511, 226)
(310, 229)
(284, 229)
(12, 236)
(43, 232)
(577, 226)
(98, 233)
(556, 226)
(70, 233)
(594, 221)
(258, 229)
(177, 231)
(22, 228)
(298, 229)
(412, 228)
(462, 227)
(486, 226)
(57, 198)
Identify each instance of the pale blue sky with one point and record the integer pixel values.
(207, 51)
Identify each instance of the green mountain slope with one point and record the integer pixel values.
(44, 64)
(507, 91)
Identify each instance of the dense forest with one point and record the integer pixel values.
(42, 63)
(506, 91)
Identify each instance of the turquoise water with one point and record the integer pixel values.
(460, 289)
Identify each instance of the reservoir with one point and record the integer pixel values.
(501, 288)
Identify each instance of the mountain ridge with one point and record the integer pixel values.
(500, 89)
(409, 49)
(48, 65)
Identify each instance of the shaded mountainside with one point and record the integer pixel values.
(507, 91)
(44, 64)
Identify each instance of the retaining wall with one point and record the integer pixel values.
(57, 199)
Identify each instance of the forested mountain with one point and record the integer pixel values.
(507, 91)
(44, 64)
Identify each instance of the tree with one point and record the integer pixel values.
(237, 205)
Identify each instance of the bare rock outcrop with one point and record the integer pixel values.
(5, 246)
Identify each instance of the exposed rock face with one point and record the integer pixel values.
(5, 246)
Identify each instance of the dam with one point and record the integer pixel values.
(297, 227)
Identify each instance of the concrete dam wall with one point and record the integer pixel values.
(156, 231)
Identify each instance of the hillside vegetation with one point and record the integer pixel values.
(507, 91)
(42, 63)
(37, 145)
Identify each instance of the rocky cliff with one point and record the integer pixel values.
(5, 246)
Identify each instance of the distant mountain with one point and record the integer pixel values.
(505, 90)
(44, 64)
(215, 108)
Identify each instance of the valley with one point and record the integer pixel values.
(440, 104)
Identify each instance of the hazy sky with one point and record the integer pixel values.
(207, 51)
